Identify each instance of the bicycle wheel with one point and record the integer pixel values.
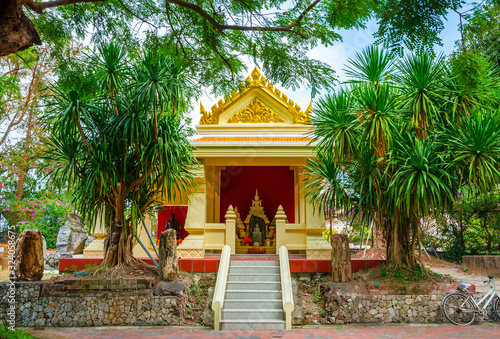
(496, 305)
(458, 309)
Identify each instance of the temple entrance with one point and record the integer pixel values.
(276, 186)
(257, 235)
(270, 186)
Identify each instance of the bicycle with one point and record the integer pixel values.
(461, 308)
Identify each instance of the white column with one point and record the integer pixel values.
(280, 228)
(231, 229)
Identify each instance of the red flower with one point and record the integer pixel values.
(179, 241)
(246, 240)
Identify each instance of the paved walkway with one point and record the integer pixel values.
(323, 332)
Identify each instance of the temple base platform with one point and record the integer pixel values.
(211, 264)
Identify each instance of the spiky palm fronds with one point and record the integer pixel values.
(421, 78)
(474, 146)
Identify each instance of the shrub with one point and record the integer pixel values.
(47, 215)
(6, 333)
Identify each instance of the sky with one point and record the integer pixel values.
(338, 54)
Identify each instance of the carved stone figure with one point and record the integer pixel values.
(174, 224)
(257, 229)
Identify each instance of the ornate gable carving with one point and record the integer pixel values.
(256, 112)
(259, 81)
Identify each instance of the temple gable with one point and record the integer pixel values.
(256, 112)
(258, 101)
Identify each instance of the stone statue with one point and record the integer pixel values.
(257, 229)
(174, 224)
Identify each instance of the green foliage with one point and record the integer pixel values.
(318, 296)
(7, 333)
(389, 149)
(123, 149)
(481, 30)
(472, 227)
(47, 215)
(472, 83)
(70, 270)
(215, 40)
(413, 24)
(475, 142)
(422, 89)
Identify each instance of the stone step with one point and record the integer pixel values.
(254, 269)
(254, 256)
(253, 314)
(254, 285)
(252, 294)
(254, 277)
(251, 325)
(253, 303)
(254, 263)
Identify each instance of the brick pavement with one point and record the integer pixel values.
(319, 332)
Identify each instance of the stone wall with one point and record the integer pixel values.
(41, 304)
(385, 309)
(482, 264)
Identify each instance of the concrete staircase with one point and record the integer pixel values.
(253, 296)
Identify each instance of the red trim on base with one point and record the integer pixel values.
(208, 265)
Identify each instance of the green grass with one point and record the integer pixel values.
(6, 333)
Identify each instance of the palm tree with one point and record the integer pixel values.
(421, 79)
(125, 149)
(474, 149)
(398, 156)
(420, 185)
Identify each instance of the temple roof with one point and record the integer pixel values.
(251, 139)
(257, 101)
(257, 121)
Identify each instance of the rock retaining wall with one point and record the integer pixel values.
(41, 304)
(385, 309)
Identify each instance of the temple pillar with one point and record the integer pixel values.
(193, 246)
(96, 247)
(280, 228)
(317, 247)
(231, 229)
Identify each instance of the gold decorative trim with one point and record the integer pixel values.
(207, 118)
(259, 81)
(304, 117)
(256, 112)
(318, 254)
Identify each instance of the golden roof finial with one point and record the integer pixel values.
(256, 74)
(207, 118)
(304, 117)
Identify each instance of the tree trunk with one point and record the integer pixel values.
(119, 241)
(28, 256)
(398, 244)
(169, 270)
(17, 32)
(341, 258)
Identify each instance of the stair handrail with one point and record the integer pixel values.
(286, 286)
(220, 285)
